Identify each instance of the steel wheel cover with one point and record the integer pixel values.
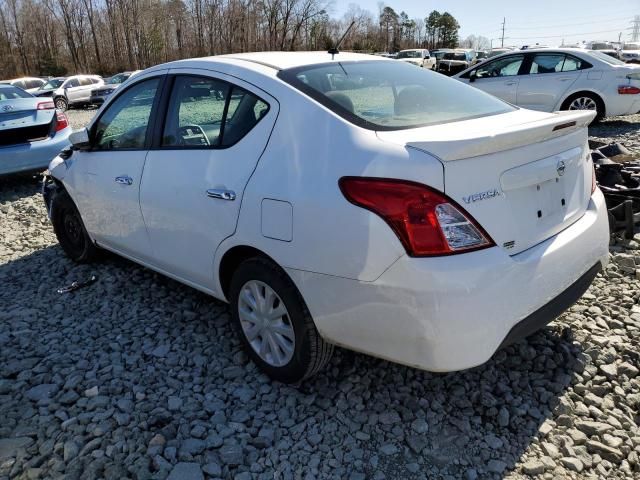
(583, 103)
(265, 323)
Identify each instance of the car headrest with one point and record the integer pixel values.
(411, 100)
(341, 99)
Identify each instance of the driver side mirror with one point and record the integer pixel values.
(473, 76)
(80, 139)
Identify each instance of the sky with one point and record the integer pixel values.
(543, 21)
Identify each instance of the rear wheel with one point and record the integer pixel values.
(585, 101)
(70, 231)
(274, 324)
(61, 103)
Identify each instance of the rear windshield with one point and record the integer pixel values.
(390, 95)
(454, 56)
(410, 54)
(11, 93)
(606, 58)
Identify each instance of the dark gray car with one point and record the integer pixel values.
(100, 94)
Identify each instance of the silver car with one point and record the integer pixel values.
(32, 131)
(76, 90)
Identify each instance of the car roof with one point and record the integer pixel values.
(285, 60)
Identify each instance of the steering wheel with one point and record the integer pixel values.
(192, 135)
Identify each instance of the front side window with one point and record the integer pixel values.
(388, 95)
(205, 112)
(53, 83)
(124, 124)
(503, 67)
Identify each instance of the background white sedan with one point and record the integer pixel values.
(560, 79)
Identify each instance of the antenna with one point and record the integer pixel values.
(335, 50)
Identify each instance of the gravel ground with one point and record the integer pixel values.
(137, 376)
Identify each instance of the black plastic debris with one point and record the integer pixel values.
(618, 176)
(77, 285)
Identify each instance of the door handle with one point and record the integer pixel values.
(564, 79)
(510, 82)
(221, 194)
(124, 180)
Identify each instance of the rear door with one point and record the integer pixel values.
(547, 77)
(500, 77)
(215, 130)
(107, 187)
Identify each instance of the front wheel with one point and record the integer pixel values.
(61, 103)
(585, 101)
(274, 324)
(69, 229)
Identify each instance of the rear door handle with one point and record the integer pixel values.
(124, 180)
(565, 79)
(221, 194)
(510, 82)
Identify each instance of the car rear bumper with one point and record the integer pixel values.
(34, 155)
(453, 313)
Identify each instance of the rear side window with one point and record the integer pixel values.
(85, 81)
(72, 83)
(391, 95)
(555, 62)
(209, 113)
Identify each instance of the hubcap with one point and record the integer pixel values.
(583, 103)
(61, 105)
(265, 323)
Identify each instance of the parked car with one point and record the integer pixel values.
(630, 52)
(438, 54)
(481, 55)
(498, 51)
(100, 94)
(456, 61)
(417, 56)
(75, 91)
(49, 87)
(321, 215)
(28, 84)
(560, 79)
(32, 132)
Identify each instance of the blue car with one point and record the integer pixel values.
(32, 131)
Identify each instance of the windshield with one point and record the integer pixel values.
(11, 93)
(53, 83)
(410, 54)
(117, 79)
(455, 56)
(631, 46)
(606, 58)
(385, 95)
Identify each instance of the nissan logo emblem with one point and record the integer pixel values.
(561, 168)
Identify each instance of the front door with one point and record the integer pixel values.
(500, 77)
(107, 189)
(215, 131)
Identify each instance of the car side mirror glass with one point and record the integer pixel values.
(80, 139)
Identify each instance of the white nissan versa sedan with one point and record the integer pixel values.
(340, 200)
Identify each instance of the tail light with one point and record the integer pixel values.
(628, 90)
(426, 221)
(45, 106)
(62, 121)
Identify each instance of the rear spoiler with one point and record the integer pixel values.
(458, 142)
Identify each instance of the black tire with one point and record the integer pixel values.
(600, 108)
(70, 231)
(61, 103)
(311, 353)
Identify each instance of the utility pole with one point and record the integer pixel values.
(504, 20)
(635, 29)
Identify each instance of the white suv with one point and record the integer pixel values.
(76, 90)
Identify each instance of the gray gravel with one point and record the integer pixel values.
(137, 376)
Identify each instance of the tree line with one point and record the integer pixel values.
(58, 37)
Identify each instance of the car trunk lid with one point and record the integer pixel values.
(524, 176)
(22, 122)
